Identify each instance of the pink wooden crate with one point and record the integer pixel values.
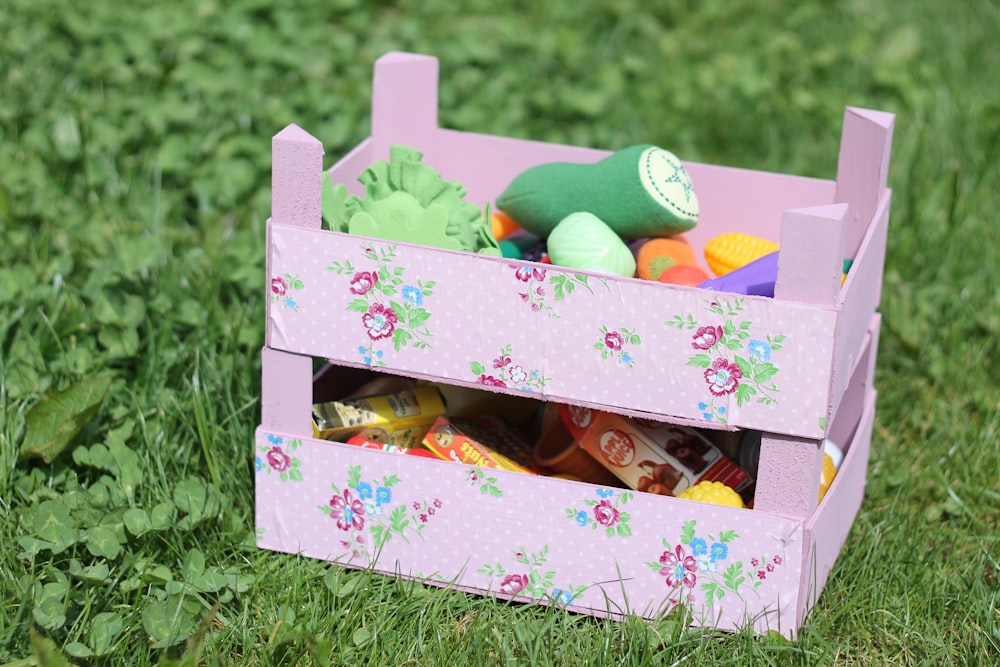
(434, 521)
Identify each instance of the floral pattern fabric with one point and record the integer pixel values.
(536, 284)
(605, 513)
(368, 515)
(525, 576)
(391, 308)
(507, 372)
(276, 458)
(281, 290)
(736, 361)
(700, 569)
(616, 343)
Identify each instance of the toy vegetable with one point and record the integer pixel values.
(406, 200)
(728, 252)
(639, 191)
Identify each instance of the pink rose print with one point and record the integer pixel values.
(348, 511)
(279, 286)
(379, 321)
(513, 584)
(526, 273)
(363, 281)
(606, 514)
(678, 568)
(706, 337)
(491, 381)
(279, 460)
(723, 377)
(613, 340)
(501, 361)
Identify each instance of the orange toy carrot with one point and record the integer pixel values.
(502, 225)
(659, 254)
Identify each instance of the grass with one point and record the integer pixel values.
(134, 182)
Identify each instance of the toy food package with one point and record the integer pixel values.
(399, 419)
(364, 443)
(652, 456)
(488, 442)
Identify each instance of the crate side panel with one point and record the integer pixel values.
(625, 343)
(859, 298)
(828, 529)
(485, 164)
(349, 167)
(526, 537)
(751, 362)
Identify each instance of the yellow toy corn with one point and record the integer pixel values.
(728, 252)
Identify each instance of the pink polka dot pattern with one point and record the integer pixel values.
(519, 540)
(477, 305)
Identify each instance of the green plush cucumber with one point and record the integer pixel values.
(638, 191)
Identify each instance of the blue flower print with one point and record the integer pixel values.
(383, 495)
(701, 406)
(626, 358)
(581, 518)
(364, 490)
(721, 409)
(367, 358)
(706, 564)
(274, 439)
(290, 303)
(413, 295)
(372, 508)
(605, 493)
(719, 551)
(759, 350)
(699, 546)
(561, 596)
(260, 464)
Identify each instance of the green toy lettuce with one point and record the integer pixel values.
(406, 200)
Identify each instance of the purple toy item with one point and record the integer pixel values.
(754, 279)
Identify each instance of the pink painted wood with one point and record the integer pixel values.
(405, 105)
(295, 201)
(863, 168)
(836, 333)
(809, 270)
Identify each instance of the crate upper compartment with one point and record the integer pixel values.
(681, 354)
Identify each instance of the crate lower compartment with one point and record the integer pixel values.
(601, 551)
